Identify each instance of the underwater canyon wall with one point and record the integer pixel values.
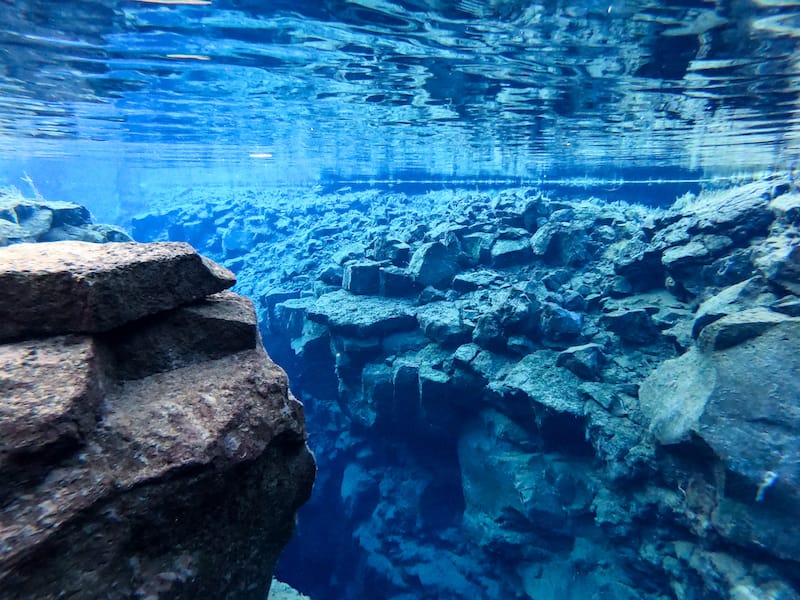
(514, 396)
(149, 447)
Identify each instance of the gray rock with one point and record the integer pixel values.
(742, 401)
(732, 299)
(535, 379)
(585, 361)
(442, 322)
(353, 251)
(737, 328)
(787, 207)
(331, 275)
(433, 264)
(789, 305)
(396, 282)
(558, 324)
(779, 261)
(477, 247)
(395, 251)
(562, 244)
(222, 324)
(474, 280)
(51, 392)
(633, 326)
(489, 332)
(362, 316)
(66, 287)
(361, 277)
(739, 213)
(507, 252)
(95, 463)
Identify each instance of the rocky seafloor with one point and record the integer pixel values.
(512, 395)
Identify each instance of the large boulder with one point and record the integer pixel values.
(163, 458)
(433, 264)
(79, 287)
(739, 394)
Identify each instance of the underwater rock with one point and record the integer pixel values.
(362, 316)
(38, 220)
(164, 458)
(634, 326)
(361, 277)
(433, 264)
(78, 287)
(442, 322)
(573, 422)
(585, 361)
(506, 252)
(779, 260)
(740, 399)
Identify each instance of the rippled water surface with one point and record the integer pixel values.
(375, 89)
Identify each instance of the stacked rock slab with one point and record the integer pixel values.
(149, 447)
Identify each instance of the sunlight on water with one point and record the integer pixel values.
(354, 90)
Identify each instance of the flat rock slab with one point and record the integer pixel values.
(536, 378)
(79, 287)
(221, 324)
(362, 316)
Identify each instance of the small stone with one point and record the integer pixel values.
(433, 264)
(585, 361)
(633, 326)
(361, 277)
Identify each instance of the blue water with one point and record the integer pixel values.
(141, 106)
(236, 93)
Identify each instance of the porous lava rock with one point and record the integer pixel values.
(162, 458)
(80, 287)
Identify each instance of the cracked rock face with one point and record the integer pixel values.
(162, 458)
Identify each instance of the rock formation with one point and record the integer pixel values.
(519, 396)
(149, 447)
(37, 220)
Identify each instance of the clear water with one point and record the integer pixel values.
(241, 92)
(136, 104)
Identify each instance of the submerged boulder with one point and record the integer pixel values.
(163, 458)
(740, 397)
(433, 264)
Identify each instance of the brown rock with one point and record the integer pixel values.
(50, 392)
(79, 287)
(162, 459)
(215, 327)
(195, 473)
